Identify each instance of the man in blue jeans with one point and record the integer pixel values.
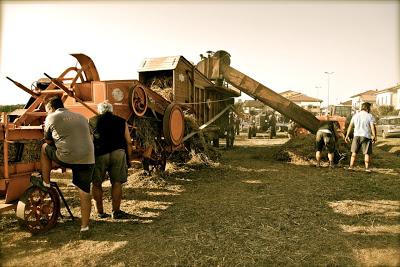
(364, 135)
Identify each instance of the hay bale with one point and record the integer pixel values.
(23, 151)
(162, 85)
(166, 93)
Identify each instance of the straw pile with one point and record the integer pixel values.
(148, 130)
(23, 151)
(198, 150)
(301, 150)
(163, 86)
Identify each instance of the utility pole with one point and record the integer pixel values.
(329, 75)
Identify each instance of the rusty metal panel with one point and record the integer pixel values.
(16, 186)
(78, 108)
(3, 186)
(118, 91)
(16, 168)
(99, 91)
(84, 91)
(24, 133)
(89, 69)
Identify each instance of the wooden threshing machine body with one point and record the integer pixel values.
(183, 83)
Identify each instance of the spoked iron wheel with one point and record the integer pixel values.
(41, 209)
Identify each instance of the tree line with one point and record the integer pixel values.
(9, 108)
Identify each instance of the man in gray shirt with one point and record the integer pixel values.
(69, 144)
(364, 135)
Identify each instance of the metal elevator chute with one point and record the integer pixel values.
(217, 67)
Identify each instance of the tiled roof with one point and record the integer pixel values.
(369, 92)
(289, 93)
(390, 89)
(303, 98)
(298, 97)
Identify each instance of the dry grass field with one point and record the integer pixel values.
(246, 210)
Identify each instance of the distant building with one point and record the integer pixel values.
(307, 102)
(389, 96)
(254, 105)
(367, 96)
(346, 103)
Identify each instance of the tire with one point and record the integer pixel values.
(216, 142)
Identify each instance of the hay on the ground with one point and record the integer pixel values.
(198, 150)
(301, 150)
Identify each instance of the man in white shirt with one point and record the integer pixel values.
(364, 135)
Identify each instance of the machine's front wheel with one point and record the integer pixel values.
(173, 124)
(39, 209)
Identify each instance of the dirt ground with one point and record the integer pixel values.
(247, 210)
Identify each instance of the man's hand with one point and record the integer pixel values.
(347, 139)
(374, 139)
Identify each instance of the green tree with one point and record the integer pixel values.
(238, 108)
(384, 110)
(9, 108)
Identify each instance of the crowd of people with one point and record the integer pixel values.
(94, 151)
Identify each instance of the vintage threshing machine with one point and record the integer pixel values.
(81, 90)
(209, 100)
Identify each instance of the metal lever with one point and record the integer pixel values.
(55, 185)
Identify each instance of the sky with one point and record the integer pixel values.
(285, 45)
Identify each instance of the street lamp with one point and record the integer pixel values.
(328, 74)
(318, 87)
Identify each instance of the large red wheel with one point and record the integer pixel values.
(39, 209)
(173, 124)
(138, 100)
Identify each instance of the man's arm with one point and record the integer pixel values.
(339, 133)
(48, 138)
(128, 141)
(347, 139)
(373, 130)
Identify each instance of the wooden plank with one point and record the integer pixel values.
(37, 114)
(6, 207)
(24, 134)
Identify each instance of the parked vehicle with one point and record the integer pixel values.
(388, 126)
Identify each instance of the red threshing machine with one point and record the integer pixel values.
(21, 134)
